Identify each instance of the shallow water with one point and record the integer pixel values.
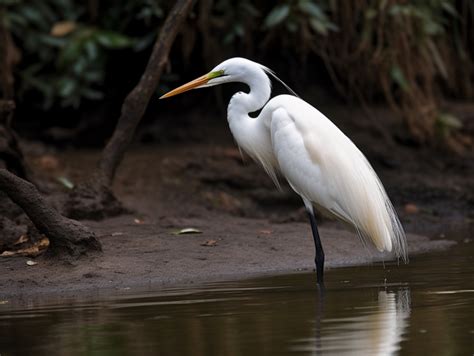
(426, 307)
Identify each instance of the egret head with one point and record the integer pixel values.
(231, 70)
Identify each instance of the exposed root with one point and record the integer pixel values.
(92, 202)
(68, 238)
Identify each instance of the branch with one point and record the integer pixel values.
(137, 100)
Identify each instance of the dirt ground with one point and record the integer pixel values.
(246, 226)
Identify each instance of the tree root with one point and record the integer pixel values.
(92, 201)
(67, 237)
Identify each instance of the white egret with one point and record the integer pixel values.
(320, 163)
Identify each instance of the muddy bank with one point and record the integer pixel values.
(146, 254)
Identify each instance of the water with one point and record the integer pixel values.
(424, 308)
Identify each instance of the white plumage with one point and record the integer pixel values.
(325, 168)
(319, 162)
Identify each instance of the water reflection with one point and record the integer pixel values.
(361, 314)
(378, 331)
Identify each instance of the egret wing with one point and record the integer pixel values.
(325, 167)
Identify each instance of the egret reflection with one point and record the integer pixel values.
(378, 331)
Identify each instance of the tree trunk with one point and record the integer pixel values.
(66, 236)
(95, 199)
(137, 100)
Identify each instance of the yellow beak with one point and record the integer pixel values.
(188, 86)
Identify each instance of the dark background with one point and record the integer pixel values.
(76, 61)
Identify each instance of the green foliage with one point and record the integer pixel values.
(447, 123)
(398, 77)
(409, 52)
(238, 17)
(65, 52)
(294, 14)
(277, 15)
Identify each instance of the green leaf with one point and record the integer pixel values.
(112, 39)
(239, 30)
(80, 65)
(319, 26)
(92, 49)
(16, 19)
(144, 42)
(69, 53)
(66, 86)
(432, 28)
(449, 121)
(93, 75)
(52, 41)
(398, 77)
(311, 9)
(46, 11)
(34, 16)
(92, 94)
(370, 13)
(448, 7)
(395, 10)
(277, 15)
(250, 9)
(331, 27)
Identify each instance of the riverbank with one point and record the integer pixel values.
(150, 255)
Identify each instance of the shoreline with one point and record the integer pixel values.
(154, 258)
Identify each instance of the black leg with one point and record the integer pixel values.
(319, 260)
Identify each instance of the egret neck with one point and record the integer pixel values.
(252, 134)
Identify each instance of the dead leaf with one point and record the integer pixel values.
(411, 209)
(43, 243)
(31, 263)
(8, 253)
(66, 182)
(138, 221)
(265, 232)
(209, 243)
(31, 251)
(188, 230)
(63, 28)
(23, 238)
